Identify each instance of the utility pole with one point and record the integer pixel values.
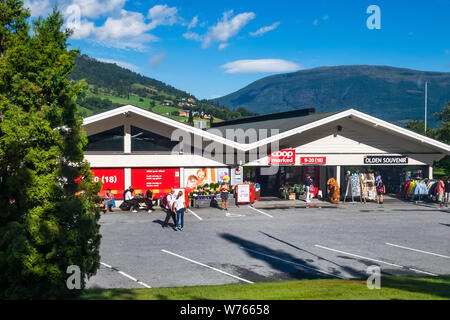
(426, 100)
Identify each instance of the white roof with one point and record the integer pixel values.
(442, 147)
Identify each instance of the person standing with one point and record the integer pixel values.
(308, 183)
(149, 200)
(381, 189)
(180, 207)
(224, 193)
(440, 193)
(170, 198)
(447, 191)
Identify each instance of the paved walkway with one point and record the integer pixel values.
(389, 201)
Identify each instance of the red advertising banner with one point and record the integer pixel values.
(282, 157)
(313, 160)
(159, 180)
(111, 179)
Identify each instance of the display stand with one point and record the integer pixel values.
(353, 189)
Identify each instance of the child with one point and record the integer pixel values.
(381, 189)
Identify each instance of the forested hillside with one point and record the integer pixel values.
(110, 86)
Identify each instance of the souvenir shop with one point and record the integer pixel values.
(129, 146)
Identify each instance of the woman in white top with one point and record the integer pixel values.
(180, 207)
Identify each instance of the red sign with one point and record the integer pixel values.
(313, 160)
(282, 157)
(111, 179)
(159, 180)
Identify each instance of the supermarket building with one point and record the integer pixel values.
(129, 146)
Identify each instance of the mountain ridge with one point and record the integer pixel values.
(391, 93)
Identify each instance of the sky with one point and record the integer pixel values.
(213, 48)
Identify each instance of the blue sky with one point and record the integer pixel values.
(212, 48)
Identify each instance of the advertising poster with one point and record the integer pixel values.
(111, 179)
(243, 193)
(195, 177)
(159, 180)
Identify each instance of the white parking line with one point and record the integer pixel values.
(417, 250)
(125, 275)
(205, 265)
(261, 212)
(195, 214)
(379, 261)
(294, 263)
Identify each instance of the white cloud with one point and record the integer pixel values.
(162, 15)
(225, 29)
(223, 46)
(192, 36)
(193, 23)
(316, 22)
(122, 64)
(129, 24)
(97, 8)
(157, 60)
(324, 18)
(260, 66)
(263, 30)
(38, 7)
(82, 30)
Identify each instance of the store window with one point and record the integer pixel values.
(143, 140)
(111, 140)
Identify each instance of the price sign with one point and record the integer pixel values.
(111, 179)
(313, 160)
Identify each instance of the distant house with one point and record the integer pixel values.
(207, 116)
(183, 113)
(191, 100)
(167, 103)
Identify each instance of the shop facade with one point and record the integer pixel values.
(129, 146)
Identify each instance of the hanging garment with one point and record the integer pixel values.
(406, 189)
(411, 187)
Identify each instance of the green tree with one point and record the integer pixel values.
(191, 118)
(48, 220)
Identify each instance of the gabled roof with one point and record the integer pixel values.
(157, 117)
(282, 124)
(288, 127)
(352, 113)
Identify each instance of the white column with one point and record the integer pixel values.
(127, 139)
(430, 172)
(338, 175)
(127, 177)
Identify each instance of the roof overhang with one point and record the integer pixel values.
(164, 120)
(350, 113)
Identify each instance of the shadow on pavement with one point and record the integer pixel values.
(309, 271)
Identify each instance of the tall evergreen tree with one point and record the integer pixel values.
(48, 220)
(191, 118)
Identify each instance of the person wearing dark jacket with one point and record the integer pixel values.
(149, 200)
(447, 191)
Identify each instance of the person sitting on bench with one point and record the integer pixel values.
(129, 198)
(149, 200)
(109, 201)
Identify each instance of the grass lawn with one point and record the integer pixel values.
(405, 288)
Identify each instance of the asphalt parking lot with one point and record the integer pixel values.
(250, 245)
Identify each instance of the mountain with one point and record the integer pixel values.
(110, 86)
(392, 94)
